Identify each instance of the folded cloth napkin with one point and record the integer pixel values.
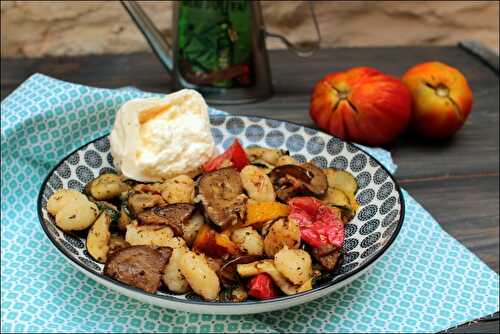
(426, 282)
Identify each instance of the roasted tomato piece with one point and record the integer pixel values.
(235, 154)
(319, 224)
(261, 286)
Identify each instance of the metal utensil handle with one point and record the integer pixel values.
(305, 49)
(155, 39)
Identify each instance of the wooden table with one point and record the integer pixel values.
(457, 180)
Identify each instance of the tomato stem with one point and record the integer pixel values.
(442, 91)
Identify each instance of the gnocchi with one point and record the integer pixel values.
(294, 264)
(282, 233)
(179, 189)
(202, 279)
(191, 227)
(61, 198)
(257, 184)
(172, 276)
(149, 235)
(79, 214)
(248, 240)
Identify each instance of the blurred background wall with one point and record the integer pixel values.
(35, 29)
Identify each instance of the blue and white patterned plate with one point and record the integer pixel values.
(368, 235)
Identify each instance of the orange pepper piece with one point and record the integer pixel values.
(265, 211)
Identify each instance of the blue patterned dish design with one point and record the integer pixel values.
(368, 235)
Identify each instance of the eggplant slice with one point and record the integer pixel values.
(327, 256)
(138, 202)
(138, 266)
(319, 183)
(292, 180)
(227, 272)
(117, 242)
(173, 215)
(222, 197)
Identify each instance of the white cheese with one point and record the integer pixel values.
(154, 139)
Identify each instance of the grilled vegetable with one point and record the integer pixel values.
(341, 180)
(293, 180)
(327, 256)
(352, 201)
(110, 209)
(233, 294)
(286, 160)
(318, 183)
(227, 272)
(139, 266)
(214, 244)
(138, 202)
(235, 155)
(261, 286)
(264, 165)
(289, 181)
(99, 237)
(106, 186)
(265, 211)
(172, 215)
(269, 155)
(222, 197)
(337, 198)
(319, 224)
(117, 242)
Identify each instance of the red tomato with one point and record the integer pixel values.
(319, 224)
(361, 105)
(235, 153)
(262, 287)
(442, 99)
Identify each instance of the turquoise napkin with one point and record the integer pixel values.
(426, 282)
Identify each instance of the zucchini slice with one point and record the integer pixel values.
(341, 180)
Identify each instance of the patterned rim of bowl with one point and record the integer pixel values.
(335, 281)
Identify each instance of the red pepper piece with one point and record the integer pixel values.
(319, 224)
(261, 286)
(234, 153)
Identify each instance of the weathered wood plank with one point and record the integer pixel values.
(467, 208)
(484, 325)
(473, 150)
